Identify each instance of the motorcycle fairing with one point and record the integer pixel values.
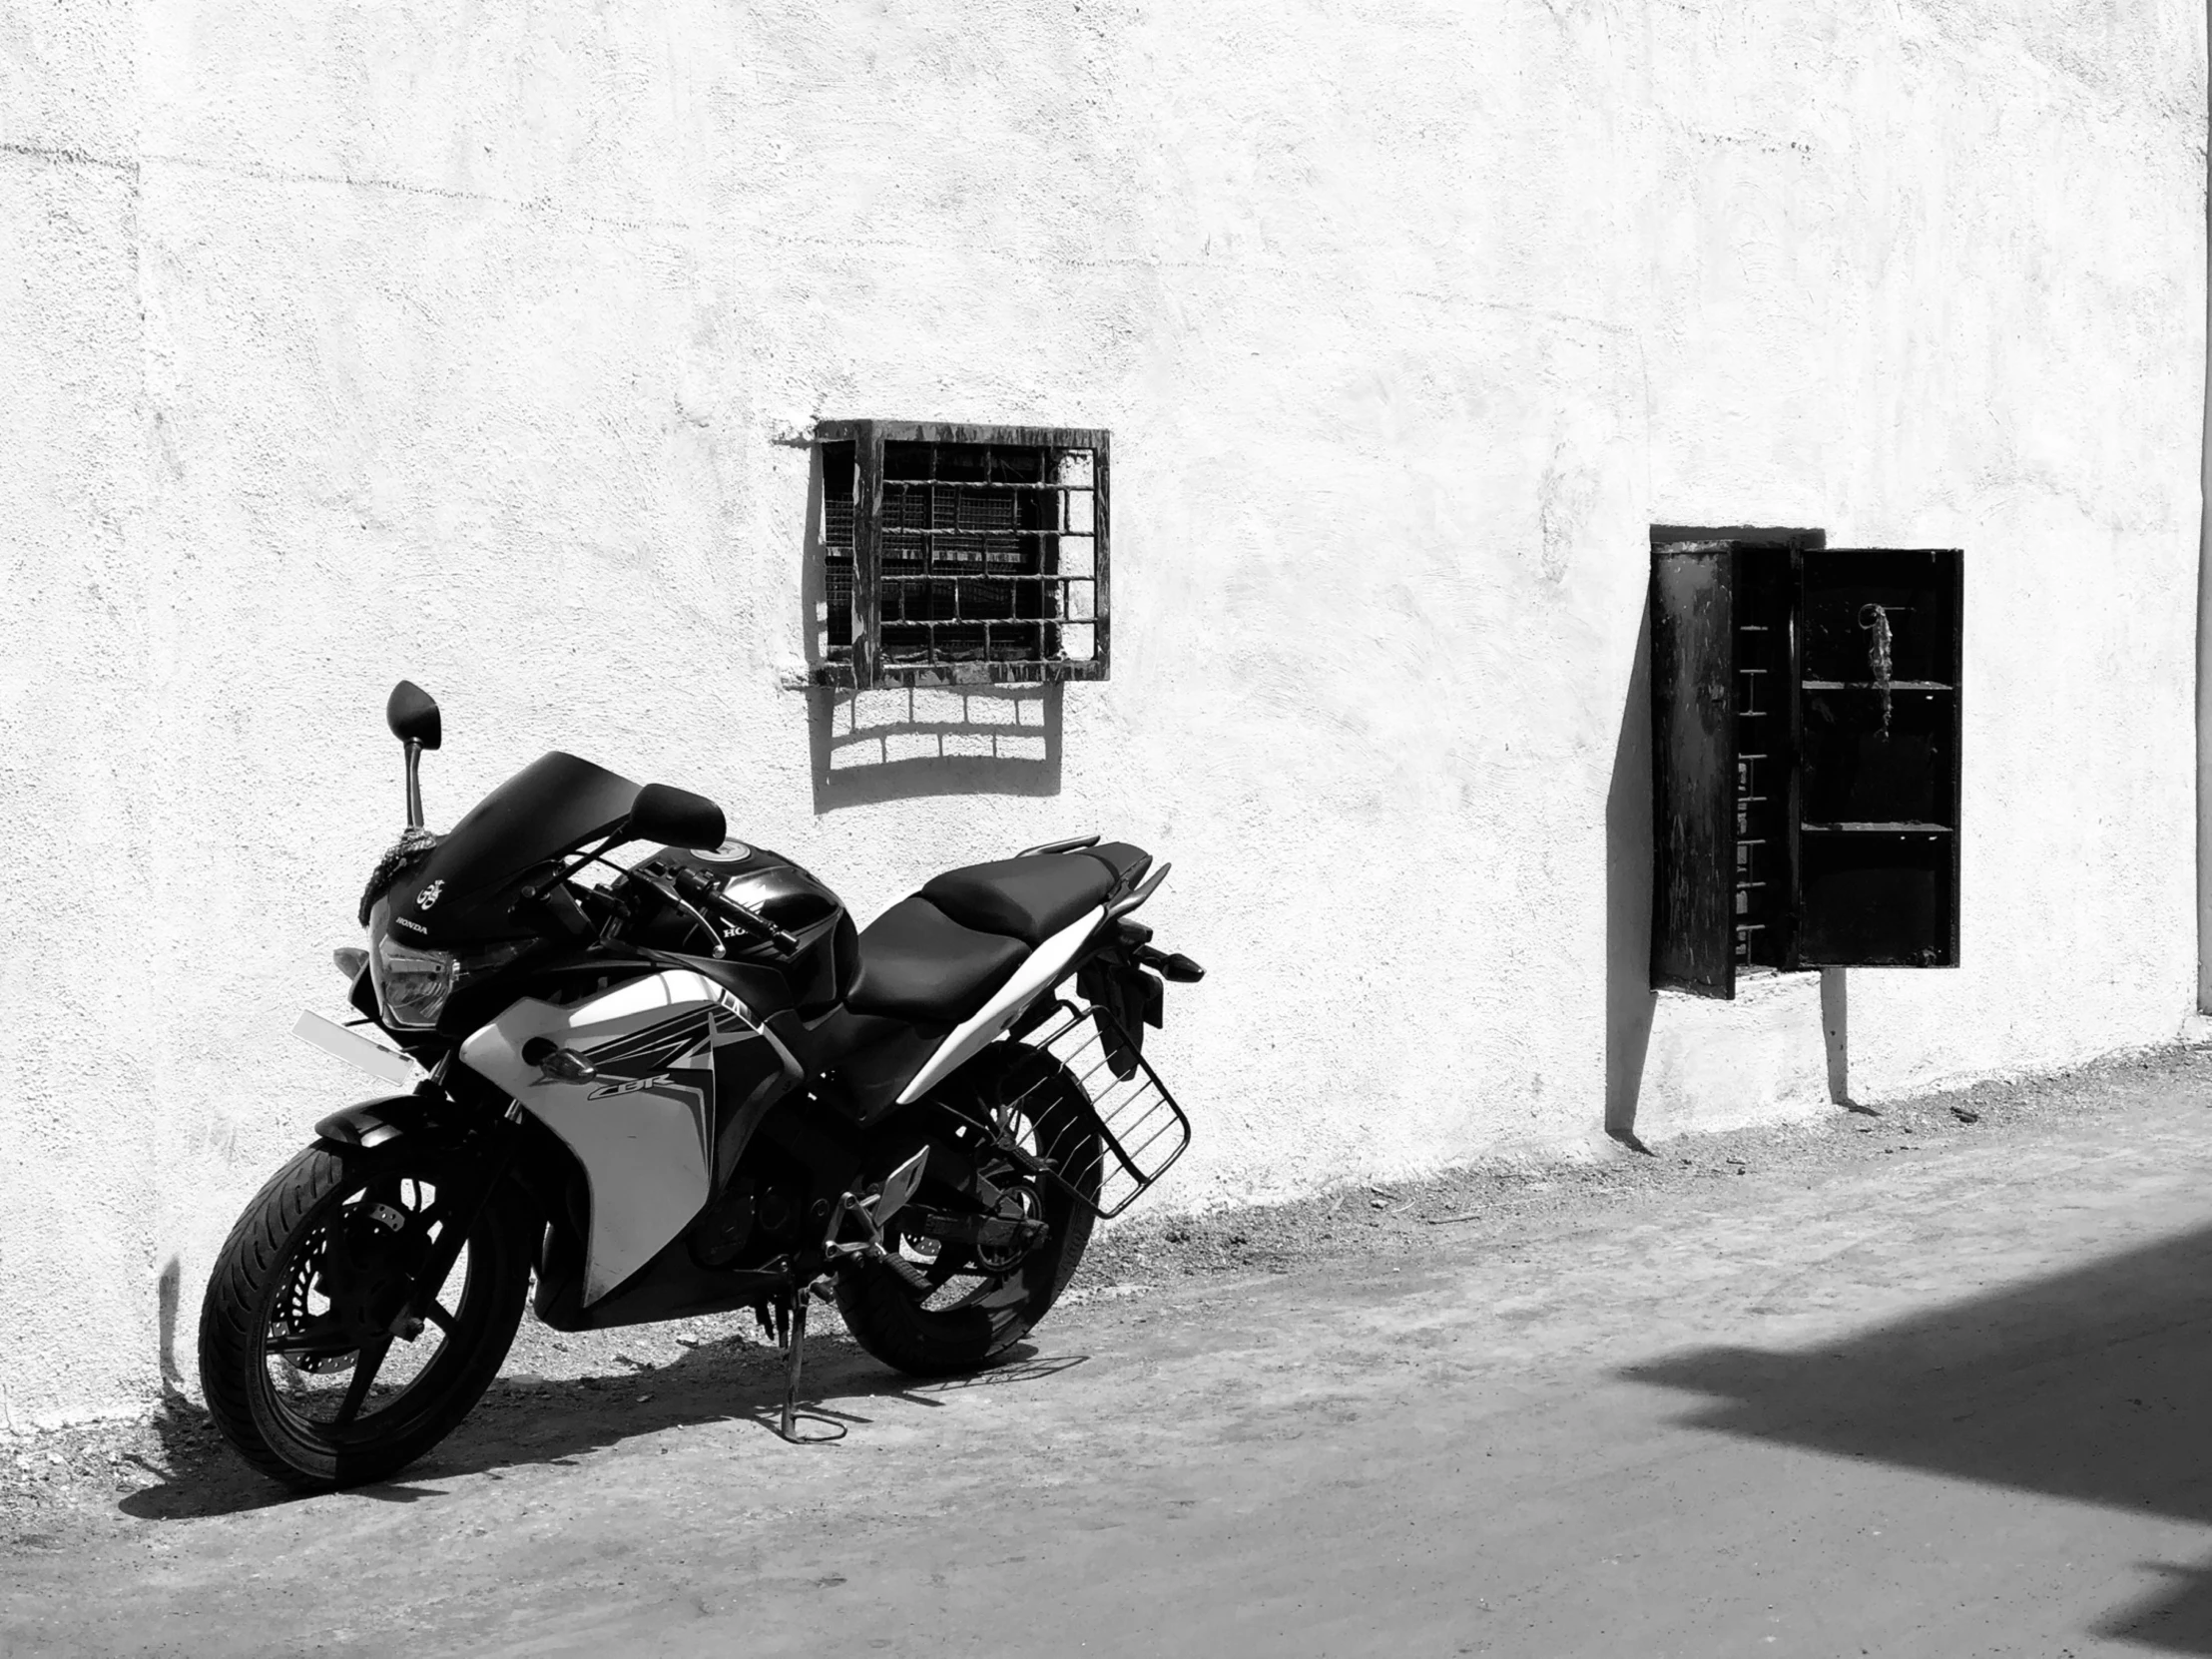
(643, 1128)
(1043, 968)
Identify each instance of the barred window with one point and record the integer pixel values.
(961, 555)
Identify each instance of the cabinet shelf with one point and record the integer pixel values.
(1900, 826)
(1870, 684)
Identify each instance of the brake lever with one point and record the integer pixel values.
(745, 917)
(669, 893)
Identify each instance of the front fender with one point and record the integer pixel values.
(373, 1122)
(547, 1173)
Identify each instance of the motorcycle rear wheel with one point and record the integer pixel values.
(978, 1308)
(298, 1363)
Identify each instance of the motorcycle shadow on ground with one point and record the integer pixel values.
(2086, 1386)
(524, 1421)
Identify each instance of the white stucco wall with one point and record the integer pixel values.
(344, 343)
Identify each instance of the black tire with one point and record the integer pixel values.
(350, 1227)
(979, 1308)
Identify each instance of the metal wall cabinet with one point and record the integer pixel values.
(1805, 712)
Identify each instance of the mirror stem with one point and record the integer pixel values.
(414, 784)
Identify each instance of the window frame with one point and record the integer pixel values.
(864, 667)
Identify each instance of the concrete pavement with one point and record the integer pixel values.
(1946, 1402)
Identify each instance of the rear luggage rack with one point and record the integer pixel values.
(1141, 1130)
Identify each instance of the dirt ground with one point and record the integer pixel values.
(1923, 1381)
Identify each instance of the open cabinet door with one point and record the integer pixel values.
(1693, 769)
(1877, 863)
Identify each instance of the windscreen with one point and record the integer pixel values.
(552, 806)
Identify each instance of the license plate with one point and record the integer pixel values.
(373, 1058)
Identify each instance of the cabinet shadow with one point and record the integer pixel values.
(1630, 1002)
(1629, 999)
(2084, 1385)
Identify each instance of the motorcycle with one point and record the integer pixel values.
(683, 1085)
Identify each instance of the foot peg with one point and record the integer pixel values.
(915, 1279)
(872, 1213)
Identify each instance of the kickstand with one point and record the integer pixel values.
(795, 1357)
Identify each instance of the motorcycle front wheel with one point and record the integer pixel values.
(308, 1361)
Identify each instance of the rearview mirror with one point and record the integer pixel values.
(413, 715)
(677, 817)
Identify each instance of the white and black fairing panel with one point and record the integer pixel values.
(650, 1084)
(945, 971)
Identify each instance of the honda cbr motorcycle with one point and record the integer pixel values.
(678, 1085)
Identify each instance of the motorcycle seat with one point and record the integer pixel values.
(918, 965)
(1031, 899)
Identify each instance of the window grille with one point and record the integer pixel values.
(962, 555)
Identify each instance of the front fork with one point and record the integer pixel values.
(497, 1164)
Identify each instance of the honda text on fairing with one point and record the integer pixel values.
(685, 1086)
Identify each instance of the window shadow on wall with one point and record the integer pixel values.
(894, 744)
(897, 744)
(1629, 1001)
(2087, 1385)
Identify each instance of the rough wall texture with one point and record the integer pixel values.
(343, 343)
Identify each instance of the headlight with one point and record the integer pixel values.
(414, 982)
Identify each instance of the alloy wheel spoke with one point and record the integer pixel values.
(436, 1313)
(365, 1368)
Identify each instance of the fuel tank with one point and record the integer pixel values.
(821, 972)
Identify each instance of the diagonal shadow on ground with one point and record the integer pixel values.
(2088, 1385)
(556, 1421)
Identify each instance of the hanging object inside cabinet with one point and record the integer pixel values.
(1878, 658)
